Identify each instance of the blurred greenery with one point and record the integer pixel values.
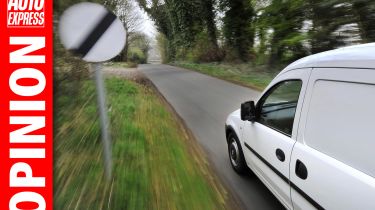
(60, 5)
(136, 55)
(122, 64)
(244, 41)
(244, 74)
(262, 32)
(137, 50)
(154, 165)
(270, 32)
(217, 36)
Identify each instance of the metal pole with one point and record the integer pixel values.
(104, 123)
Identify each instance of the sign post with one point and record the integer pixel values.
(102, 106)
(97, 35)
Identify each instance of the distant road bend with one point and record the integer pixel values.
(204, 102)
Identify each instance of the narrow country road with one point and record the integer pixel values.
(204, 102)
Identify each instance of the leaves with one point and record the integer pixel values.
(238, 30)
(262, 31)
(181, 21)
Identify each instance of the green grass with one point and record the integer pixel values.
(154, 164)
(122, 64)
(243, 74)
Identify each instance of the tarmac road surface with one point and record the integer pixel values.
(204, 102)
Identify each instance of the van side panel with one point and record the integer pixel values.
(336, 141)
(341, 123)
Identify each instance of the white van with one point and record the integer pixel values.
(310, 137)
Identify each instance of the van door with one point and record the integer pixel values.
(332, 164)
(268, 141)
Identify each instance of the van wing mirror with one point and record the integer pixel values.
(248, 111)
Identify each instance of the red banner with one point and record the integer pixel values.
(26, 81)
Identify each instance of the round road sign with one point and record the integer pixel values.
(92, 31)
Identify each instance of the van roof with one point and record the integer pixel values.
(357, 56)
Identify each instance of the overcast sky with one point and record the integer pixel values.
(148, 26)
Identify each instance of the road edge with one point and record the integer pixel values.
(233, 201)
(253, 87)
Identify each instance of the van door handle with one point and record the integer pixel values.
(301, 170)
(280, 155)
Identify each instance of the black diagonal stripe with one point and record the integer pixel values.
(95, 34)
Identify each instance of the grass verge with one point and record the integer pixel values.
(122, 64)
(155, 167)
(242, 74)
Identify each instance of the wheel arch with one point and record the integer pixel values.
(228, 130)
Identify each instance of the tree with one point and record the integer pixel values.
(160, 13)
(182, 22)
(285, 18)
(209, 19)
(327, 17)
(238, 31)
(130, 17)
(281, 30)
(60, 5)
(140, 42)
(365, 14)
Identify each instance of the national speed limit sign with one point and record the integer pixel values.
(92, 32)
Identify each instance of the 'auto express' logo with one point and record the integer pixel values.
(25, 13)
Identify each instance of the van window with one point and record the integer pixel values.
(278, 107)
(341, 123)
